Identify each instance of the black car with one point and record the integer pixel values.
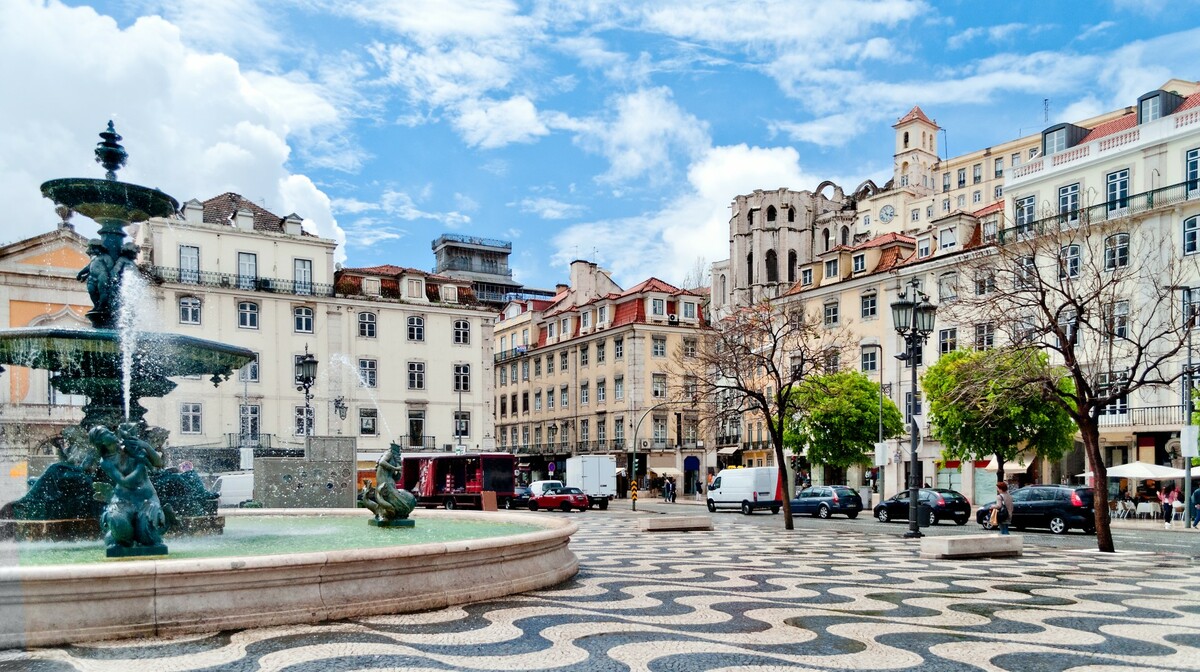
(943, 505)
(520, 498)
(1057, 507)
(824, 500)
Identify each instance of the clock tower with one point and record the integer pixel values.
(916, 153)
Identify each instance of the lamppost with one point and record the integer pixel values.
(879, 365)
(306, 375)
(913, 319)
(1189, 323)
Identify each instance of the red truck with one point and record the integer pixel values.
(453, 480)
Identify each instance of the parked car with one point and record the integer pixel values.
(825, 500)
(519, 499)
(539, 487)
(943, 504)
(559, 498)
(1056, 507)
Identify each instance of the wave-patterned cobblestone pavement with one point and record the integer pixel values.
(741, 598)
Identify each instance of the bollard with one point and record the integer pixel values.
(633, 494)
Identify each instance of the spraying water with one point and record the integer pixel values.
(134, 319)
(342, 361)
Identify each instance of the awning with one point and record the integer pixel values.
(620, 471)
(1022, 462)
(728, 451)
(668, 471)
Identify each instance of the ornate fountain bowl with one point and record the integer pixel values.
(102, 199)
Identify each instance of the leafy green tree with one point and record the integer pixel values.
(838, 418)
(977, 415)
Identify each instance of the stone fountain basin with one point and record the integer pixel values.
(52, 605)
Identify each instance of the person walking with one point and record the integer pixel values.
(1196, 508)
(1003, 508)
(1167, 497)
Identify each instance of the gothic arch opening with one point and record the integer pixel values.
(791, 214)
(750, 269)
(770, 213)
(845, 235)
(906, 139)
(772, 267)
(791, 266)
(825, 238)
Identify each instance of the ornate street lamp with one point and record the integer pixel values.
(913, 319)
(306, 375)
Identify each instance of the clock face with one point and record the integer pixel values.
(887, 214)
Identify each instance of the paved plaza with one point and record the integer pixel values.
(743, 597)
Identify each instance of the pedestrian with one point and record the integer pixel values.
(1002, 510)
(1167, 498)
(1196, 508)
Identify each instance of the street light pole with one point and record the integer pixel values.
(1189, 323)
(306, 376)
(913, 320)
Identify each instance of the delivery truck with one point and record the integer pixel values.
(454, 480)
(596, 476)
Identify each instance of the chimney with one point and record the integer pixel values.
(560, 288)
(243, 220)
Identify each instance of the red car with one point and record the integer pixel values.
(560, 498)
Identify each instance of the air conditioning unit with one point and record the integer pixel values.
(672, 317)
(645, 443)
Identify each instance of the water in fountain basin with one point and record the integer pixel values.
(137, 316)
(342, 361)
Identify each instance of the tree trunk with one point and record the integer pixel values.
(999, 468)
(784, 487)
(1090, 432)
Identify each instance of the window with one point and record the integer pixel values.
(985, 283)
(918, 356)
(416, 289)
(1116, 320)
(1117, 185)
(961, 201)
(1033, 152)
(869, 305)
(189, 310)
(565, 397)
(189, 264)
(1068, 324)
(368, 424)
(870, 359)
(503, 376)
(449, 293)
(989, 230)
(303, 319)
(922, 248)
(1192, 172)
(831, 313)
(191, 418)
(945, 182)
(1116, 251)
(585, 396)
(911, 408)
(866, 221)
(977, 196)
(658, 346)
(416, 328)
(1068, 202)
(583, 355)
(601, 391)
(537, 400)
(929, 212)
(998, 167)
(1026, 272)
(1054, 141)
(368, 370)
(1151, 109)
(962, 177)
(247, 271)
(831, 268)
(833, 363)
(1113, 383)
(249, 372)
(985, 335)
(462, 332)
(1016, 159)
(658, 307)
(619, 388)
(1025, 213)
(947, 239)
(248, 415)
(977, 173)
(371, 286)
(658, 385)
(549, 398)
(564, 327)
(602, 315)
(618, 348)
(1191, 226)
(945, 205)
(806, 277)
(689, 310)
(462, 378)
(860, 263)
(306, 421)
(525, 369)
(550, 330)
(366, 325)
(537, 367)
(947, 340)
(948, 286)
(600, 352)
(247, 315)
(1068, 262)
(302, 273)
(998, 192)
(416, 375)
(915, 214)
(563, 361)
(689, 347)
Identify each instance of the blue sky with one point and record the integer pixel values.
(613, 131)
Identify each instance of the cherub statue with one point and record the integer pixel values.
(388, 502)
(98, 274)
(134, 516)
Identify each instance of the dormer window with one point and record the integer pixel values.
(1055, 141)
(658, 307)
(860, 263)
(449, 293)
(922, 248)
(416, 288)
(806, 276)
(602, 315)
(831, 268)
(1150, 109)
(370, 286)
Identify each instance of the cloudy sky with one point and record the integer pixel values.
(610, 130)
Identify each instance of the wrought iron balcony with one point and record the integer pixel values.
(417, 442)
(244, 283)
(472, 240)
(1104, 212)
(1144, 415)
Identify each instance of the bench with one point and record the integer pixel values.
(971, 546)
(674, 523)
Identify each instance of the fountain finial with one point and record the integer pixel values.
(110, 153)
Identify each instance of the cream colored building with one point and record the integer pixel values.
(588, 372)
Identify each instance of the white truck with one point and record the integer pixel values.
(234, 488)
(596, 476)
(749, 488)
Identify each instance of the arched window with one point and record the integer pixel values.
(304, 319)
(366, 325)
(845, 235)
(770, 213)
(750, 269)
(750, 217)
(791, 214)
(906, 139)
(247, 315)
(791, 266)
(772, 267)
(416, 328)
(724, 287)
(462, 332)
(189, 310)
(825, 238)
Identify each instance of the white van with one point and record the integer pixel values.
(749, 489)
(233, 489)
(540, 487)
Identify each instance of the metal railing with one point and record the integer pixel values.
(1143, 415)
(729, 440)
(514, 353)
(247, 283)
(417, 442)
(472, 240)
(470, 266)
(1103, 212)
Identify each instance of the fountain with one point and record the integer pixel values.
(280, 566)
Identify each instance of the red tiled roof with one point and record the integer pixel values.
(652, 284)
(889, 259)
(1190, 102)
(629, 312)
(221, 209)
(987, 210)
(913, 115)
(879, 241)
(1117, 125)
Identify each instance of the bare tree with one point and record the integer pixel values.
(698, 275)
(750, 362)
(1095, 288)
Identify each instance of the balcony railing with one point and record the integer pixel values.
(472, 240)
(474, 267)
(1104, 212)
(729, 440)
(241, 282)
(417, 442)
(1144, 415)
(513, 354)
